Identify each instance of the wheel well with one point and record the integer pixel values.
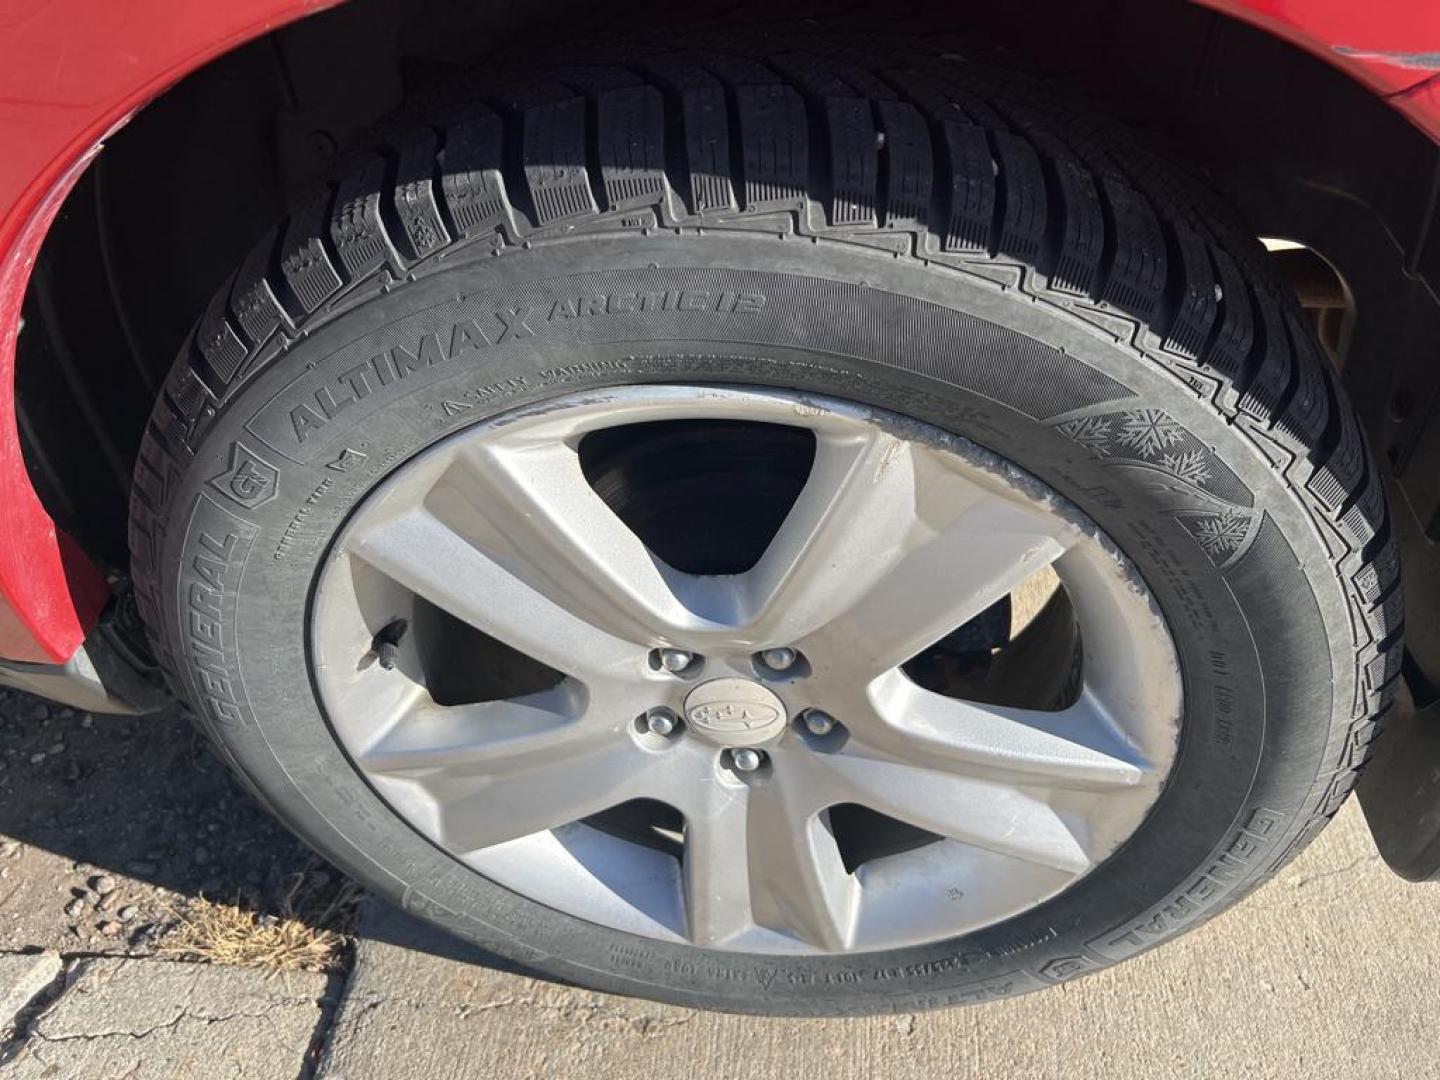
(178, 197)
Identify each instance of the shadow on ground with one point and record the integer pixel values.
(111, 826)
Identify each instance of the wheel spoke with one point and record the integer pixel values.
(762, 855)
(887, 550)
(532, 500)
(797, 878)
(485, 737)
(1079, 748)
(979, 556)
(428, 557)
(850, 520)
(995, 816)
(506, 806)
(505, 769)
(716, 866)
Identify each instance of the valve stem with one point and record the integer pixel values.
(386, 643)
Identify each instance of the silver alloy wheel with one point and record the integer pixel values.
(900, 534)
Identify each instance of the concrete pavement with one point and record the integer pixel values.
(151, 1019)
(1330, 970)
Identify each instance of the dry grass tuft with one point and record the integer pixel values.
(308, 933)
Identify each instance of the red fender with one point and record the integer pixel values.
(71, 73)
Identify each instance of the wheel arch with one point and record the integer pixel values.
(58, 112)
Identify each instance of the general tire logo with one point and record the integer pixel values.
(250, 480)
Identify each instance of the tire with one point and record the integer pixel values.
(1007, 269)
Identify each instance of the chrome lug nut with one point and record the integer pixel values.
(746, 759)
(817, 722)
(661, 721)
(778, 659)
(676, 660)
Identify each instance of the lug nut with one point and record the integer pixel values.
(676, 660)
(661, 721)
(778, 659)
(746, 759)
(818, 723)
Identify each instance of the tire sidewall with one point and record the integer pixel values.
(252, 518)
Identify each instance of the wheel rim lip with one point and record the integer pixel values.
(558, 867)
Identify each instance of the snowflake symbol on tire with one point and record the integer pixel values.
(1148, 431)
(1192, 467)
(1221, 535)
(1091, 432)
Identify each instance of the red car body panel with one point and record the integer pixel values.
(73, 71)
(1389, 45)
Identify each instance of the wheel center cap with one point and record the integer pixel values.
(734, 712)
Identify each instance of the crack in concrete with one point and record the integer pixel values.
(170, 1025)
(31, 1037)
(325, 1023)
(24, 1020)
